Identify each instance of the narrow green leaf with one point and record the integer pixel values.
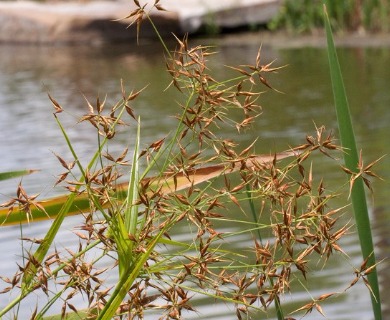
(126, 281)
(122, 240)
(15, 174)
(131, 210)
(351, 160)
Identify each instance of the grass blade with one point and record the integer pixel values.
(131, 210)
(15, 174)
(126, 220)
(351, 160)
(125, 282)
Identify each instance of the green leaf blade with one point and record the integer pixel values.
(15, 174)
(351, 159)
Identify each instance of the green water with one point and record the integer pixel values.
(29, 135)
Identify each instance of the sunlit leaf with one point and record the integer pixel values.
(15, 174)
(166, 184)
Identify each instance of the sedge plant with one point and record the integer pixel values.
(195, 179)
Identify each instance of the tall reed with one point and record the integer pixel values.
(358, 171)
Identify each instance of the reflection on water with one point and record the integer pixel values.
(29, 134)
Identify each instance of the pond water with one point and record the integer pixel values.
(29, 136)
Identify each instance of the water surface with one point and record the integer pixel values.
(29, 135)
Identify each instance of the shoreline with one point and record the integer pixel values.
(281, 39)
(96, 24)
(104, 21)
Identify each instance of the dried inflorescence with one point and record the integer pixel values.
(211, 102)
